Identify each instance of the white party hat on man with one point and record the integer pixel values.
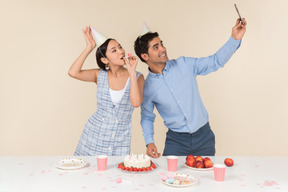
(145, 29)
(98, 37)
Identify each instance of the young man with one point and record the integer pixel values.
(171, 86)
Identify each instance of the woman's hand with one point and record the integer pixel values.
(90, 42)
(131, 63)
(75, 70)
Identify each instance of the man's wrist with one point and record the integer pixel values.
(148, 144)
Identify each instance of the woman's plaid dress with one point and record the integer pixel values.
(108, 130)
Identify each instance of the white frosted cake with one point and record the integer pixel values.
(137, 160)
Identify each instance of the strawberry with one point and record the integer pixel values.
(130, 169)
(126, 168)
(153, 165)
(120, 165)
(123, 168)
(135, 169)
(139, 170)
(148, 169)
(143, 169)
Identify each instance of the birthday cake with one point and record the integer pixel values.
(137, 162)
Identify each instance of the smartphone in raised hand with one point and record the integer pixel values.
(238, 14)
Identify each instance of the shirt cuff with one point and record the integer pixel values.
(149, 139)
(235, 42)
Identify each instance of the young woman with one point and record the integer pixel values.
(119, 91)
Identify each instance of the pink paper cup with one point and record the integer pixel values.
(102, 162)
(172, 163)
(219, 172)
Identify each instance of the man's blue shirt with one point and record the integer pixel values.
(176, 95)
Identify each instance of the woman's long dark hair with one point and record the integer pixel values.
(101, 53)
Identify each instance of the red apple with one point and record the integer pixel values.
(191, 162)
(206, 158)
(190, 157)
(199, 164)
(229, 162)
(208, 164)
(199, 158)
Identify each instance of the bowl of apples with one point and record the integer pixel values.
(199, 163)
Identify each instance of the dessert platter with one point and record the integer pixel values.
(70, 163)
(179, 180)
(137, 163)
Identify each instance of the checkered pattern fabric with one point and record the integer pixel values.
(108, 130)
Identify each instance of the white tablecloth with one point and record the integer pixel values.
(29, 174)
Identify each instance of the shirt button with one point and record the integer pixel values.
(110, 148)
(103, 119)
(116, 121)
(171, 89)
(113, 136)
(185, 114)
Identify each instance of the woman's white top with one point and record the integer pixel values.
(116, 96)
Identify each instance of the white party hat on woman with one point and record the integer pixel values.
(98, 37)
(145, 29)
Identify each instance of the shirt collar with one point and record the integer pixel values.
(165, 70)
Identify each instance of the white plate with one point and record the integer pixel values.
(70, 163)
(142, 172)
(195, 180)
(199, 169)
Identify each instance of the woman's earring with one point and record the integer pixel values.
(107, 67)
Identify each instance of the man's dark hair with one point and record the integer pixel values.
(101, 52)
(142, 42)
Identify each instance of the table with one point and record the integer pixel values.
(38, 173)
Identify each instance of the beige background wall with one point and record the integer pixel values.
(43, 110)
